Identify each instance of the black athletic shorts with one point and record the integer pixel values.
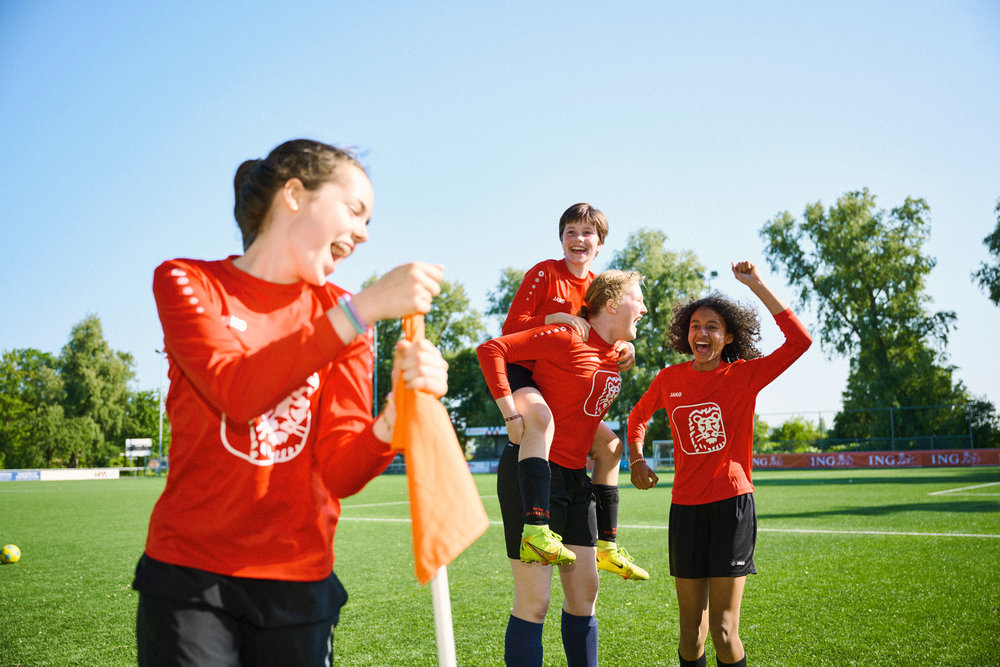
(519, 377)
(572, 504)
(713, 540)
(192, 617)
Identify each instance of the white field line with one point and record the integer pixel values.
(844, 532)
(761, 530)
(966, 488)
(395, 502)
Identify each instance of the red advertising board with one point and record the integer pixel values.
(937, 458)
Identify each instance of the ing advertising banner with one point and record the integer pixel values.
(939, 458)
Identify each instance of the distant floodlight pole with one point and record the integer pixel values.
(708, 278)
(375, 370)
(159, 400)
(968, 416)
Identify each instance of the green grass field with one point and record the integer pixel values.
(856, 567)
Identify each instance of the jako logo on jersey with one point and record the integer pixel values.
(704, 428)
(277, 436)
(604, 388)
(235, 323)
(559, 299)
(676, 394)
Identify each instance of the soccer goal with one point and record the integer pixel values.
(662, 454)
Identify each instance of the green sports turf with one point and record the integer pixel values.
(856, 567)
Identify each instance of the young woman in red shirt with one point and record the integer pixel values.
(710, 402)
(552, 292)
(579, 380)
(270, 406)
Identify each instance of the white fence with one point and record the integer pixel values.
(58, 474)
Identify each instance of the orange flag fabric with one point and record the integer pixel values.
(445, 508)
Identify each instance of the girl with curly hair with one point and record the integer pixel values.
(710, 401)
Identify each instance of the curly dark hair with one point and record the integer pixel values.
(741, 321)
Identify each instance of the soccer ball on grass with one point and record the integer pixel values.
(10, 554)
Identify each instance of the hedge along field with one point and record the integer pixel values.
(857, 567)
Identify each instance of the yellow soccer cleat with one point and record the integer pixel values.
(614, 558)
(541, 545)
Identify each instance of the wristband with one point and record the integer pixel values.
(347, 305)
(634, 461)
(512, 418)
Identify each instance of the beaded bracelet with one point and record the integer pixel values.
(633, 462)
(347, 305)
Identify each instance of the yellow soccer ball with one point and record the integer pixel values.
(10, 554)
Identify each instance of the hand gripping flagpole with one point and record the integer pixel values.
(446, 510)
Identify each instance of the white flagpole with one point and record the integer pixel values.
(442, 619)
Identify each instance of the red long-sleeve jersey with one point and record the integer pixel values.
(270, 418)
(548, 287)
(711, 416)
(578, 379)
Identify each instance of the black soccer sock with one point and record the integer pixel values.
(739, 663)
(534, 478)
(522, 644)
(607, 512)
(579, 635)
(700, 662)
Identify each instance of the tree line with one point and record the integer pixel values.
(860, 268)
(74, 409)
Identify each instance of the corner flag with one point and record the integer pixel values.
(446, 511)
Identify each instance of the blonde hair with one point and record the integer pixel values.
(607, 287)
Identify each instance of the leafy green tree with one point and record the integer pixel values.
(500, 298)
(988, 275)
(984, 422)
(35, 431)
(797, 434)
(456, 328)
(864, 270)
(142, 419)
(761, 430)
(28, 382)
(670, 277)
(96, 381)
(387, 334)
(452, 324)
(469, 401)
(70, 442)
(72, 410)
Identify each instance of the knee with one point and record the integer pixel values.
(693, 631)
(582, 599)
(725, 630)
(691, 641)
(532, 610)
(537, 417)
(610, 450)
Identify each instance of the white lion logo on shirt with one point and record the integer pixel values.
(604, 389)
(278, 435)
(705, 430)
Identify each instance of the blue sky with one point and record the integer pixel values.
(121, 125)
